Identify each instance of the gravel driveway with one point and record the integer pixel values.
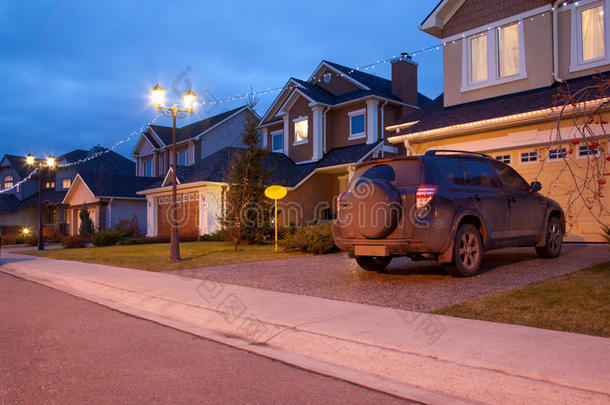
(416, 286)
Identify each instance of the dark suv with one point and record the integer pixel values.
(447, 206)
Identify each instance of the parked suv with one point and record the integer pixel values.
(447, 206)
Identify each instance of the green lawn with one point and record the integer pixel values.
(155, 257)
(577, 302)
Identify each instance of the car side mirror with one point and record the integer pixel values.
(535, 186)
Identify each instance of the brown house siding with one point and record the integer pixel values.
(304, 151)
(338, 126)
(310, 200)
(475, 13)
(270, 129)
(337, 85)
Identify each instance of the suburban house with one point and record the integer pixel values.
(109, 198)
(315, 132)
(19, 205)
(193, 142)
(504, 65)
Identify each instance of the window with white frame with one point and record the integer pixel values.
(66, 183)
(530, 156)
(8, 182)
(589, 39)
(277, 141)
(357, 124)
(557, 153)
(587, 150)
(493, 57)
(505, 158)
(300, 130)
(182, 158)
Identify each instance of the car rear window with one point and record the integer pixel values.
(405, 172)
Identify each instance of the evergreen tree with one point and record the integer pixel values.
(247, 212)
(86, 224)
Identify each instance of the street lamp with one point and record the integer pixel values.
(189, 99)
(49, 162)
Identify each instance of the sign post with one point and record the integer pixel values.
(275, 193)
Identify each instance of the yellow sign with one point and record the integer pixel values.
(275, 193)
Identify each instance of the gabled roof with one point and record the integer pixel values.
(435, 21)
(370, 85)
(116, 186)
(108, 163)
(436, 116)
(18, 163)
(284, 171)
(8, 203)
(194, 129)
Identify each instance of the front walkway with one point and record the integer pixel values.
(427, 358)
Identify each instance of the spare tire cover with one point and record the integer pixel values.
(377, 208)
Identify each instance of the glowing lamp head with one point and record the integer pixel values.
(157, 95)
(189, 99)
(30, 160)
(51, 161)
(26, 231)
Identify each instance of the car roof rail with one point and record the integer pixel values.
(435, 152)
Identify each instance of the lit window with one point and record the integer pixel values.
(592, 33)
(300, 130)
(8, 182)
(557, 153)
(529, 157)
(49, 184)
(478, 59)
(277, 141)
(503, 158)
(182, 158)
(508, 50)
(66, 183)
(586, 150)
(357, 124)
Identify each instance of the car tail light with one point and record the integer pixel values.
(425, 194)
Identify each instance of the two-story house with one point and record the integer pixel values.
(193, 142)
(504, 64)
(19, 205)
(315, 131)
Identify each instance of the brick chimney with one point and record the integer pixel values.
(404, 80)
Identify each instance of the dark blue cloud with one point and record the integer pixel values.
(75, 74)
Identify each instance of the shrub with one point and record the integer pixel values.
(86, 224)
(129, 227)
(108, 238)
(316, 239)
(51, 235)
(9, 240)
(218, 236)
(31, 239)
(74, 241)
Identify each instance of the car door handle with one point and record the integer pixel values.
(476, 197)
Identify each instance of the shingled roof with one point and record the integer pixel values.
(284, 171)
(192, 130)
(19, 164)
(8, 203)
(117, 186)
(436, 115)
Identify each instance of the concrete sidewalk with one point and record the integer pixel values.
(422, 357)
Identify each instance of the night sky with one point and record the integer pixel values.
(76, 74)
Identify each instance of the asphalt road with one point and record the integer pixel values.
(414, 286)
(59, 349)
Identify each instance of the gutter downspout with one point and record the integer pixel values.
(324, 148)
(555, 40)
(383, 127)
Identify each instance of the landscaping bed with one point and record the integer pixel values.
(155, 257)
(578, 302)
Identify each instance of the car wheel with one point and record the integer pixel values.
(373, 263)
(554, 239)
(467, 252)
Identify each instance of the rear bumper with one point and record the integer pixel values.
(394, 247)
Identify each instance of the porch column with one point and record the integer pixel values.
(286, 133)
(265, 134)
(372, 120)
(318, 130)
(155, 163)
(152, 216)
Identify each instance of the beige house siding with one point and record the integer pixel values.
(538, 60)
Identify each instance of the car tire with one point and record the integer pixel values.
(373, 263)
(554, 240)
(467, 252)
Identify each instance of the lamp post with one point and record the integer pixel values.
(189, 99)
(50, 163)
